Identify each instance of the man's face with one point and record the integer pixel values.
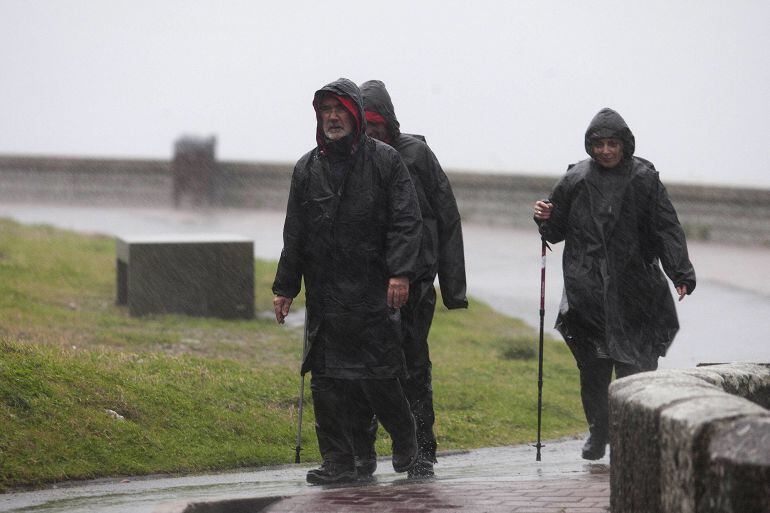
(336, 120)
(608, 152)
(377, 131)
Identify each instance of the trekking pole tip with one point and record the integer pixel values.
(538, 446)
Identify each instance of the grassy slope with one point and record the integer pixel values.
(202, 394)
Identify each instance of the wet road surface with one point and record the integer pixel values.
(495, 480)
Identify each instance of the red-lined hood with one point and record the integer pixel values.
(347, 92)
(377, 99)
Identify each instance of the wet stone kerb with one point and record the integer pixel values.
(694, 440)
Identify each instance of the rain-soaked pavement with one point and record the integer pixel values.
(496, 480)
(726, 319)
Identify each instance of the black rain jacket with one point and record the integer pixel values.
(442, 249)
(347, 243)
(617, 226)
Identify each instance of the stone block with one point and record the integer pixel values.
(737, 471)
(674, 434)
(198, 275)
(748, 380)
(684, 433)
(636, 403)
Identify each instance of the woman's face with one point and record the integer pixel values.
(608, 152)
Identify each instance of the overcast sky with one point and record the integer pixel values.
(503, 86)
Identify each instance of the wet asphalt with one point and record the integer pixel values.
(726, 319)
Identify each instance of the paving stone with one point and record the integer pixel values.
(558, 496)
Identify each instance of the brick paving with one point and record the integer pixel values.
(495, 480)
(587, 493)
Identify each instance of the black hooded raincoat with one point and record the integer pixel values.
(617, 224)
(347, 242)
(442, 249)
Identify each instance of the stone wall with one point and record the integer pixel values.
(691, 441)
(735, 215)
(85, 181)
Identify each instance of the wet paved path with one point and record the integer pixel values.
(494, 480)
(589, 494)
(485, 480)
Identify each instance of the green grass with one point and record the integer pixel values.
(200, 394)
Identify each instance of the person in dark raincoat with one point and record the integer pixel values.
(352, 231)
(617, 223)
(441, 253)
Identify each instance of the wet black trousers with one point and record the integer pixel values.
(595, 377)
(339, 404)
(416, 320)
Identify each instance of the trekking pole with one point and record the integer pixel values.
(301, 393)
(540, 350)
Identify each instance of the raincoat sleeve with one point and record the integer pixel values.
(404, 232)
(451, 253)
(288, 277)
(670, 242)
(555, 228)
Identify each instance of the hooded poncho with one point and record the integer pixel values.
(346, 239)
(442, 249)
(618, 226)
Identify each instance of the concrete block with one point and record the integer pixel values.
(737, 471)
(636, 404)
(664, 431)
(684, 430)
(748, 380)
(197, 275)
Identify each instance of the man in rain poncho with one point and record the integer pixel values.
(441, 253)
(617, 224)
(352, 231)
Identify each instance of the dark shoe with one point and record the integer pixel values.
(421, 470)
(330, 473)
(365, 468)
(594, 447)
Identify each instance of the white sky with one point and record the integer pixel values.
(504, 86)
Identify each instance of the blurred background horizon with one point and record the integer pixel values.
(500, 87)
